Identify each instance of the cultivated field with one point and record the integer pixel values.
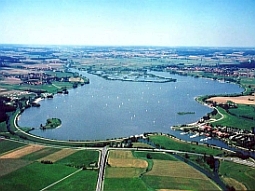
(58, 155)
(175, 169)
(238, 100)
(123, 172)
(22, 152)
(9, 165)
(7, 145)
(40, 154)
(237, 185)
(177, 175)
(125, 159)
(19, 169)
(239, 176)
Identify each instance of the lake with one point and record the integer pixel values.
(107, 109)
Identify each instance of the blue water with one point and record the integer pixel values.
(111, 109)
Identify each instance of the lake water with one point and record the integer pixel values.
(110, 109)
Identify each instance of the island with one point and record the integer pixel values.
(186, 113)
(51, 124)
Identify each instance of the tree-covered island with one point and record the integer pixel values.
(51, 123)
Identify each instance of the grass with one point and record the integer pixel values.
(173, 183)
(35, 176)
(141, 145)
(244, 110)
(6, 145)
(9, 165)
(169, 143)
(241, 173)
(123, 172)
(3, 127)
(233, 121)
(154, 155)
(124, 184)
(82, 181)
(80, 158)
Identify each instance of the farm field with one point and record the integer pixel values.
(58, 155)
(23, 165)
(246, 100)
(40, 154)
(240, 177)
(35, 176)
(81, 158)
(123, 171)
(163, 172)
(6, 145)
(81, 181)
(154, 155)
(22, 152)
(177, 175)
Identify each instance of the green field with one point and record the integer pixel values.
(241, 173)
(172, 183)
(80, 158)
(233, 121)
(244, 111)
(81, 181)
(124, 184)
(6, 145)
(153, 155)
(35, 176)
(169, 143)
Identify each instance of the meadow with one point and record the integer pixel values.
(233, 120)
(240, 175)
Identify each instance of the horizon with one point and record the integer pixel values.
(127, 46)
(189, 23)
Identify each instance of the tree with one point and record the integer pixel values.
(149, 156)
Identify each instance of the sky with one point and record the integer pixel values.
(217, 23)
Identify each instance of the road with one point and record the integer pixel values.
(101, 169)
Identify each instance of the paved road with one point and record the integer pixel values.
(101, 169)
